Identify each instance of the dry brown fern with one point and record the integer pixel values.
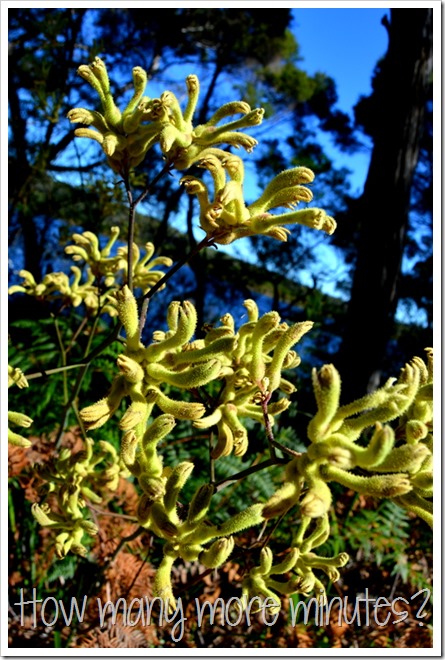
(114, 636)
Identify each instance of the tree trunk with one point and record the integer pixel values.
(384, 206)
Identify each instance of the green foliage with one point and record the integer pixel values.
(381, 534)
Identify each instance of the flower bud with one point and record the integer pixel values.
(93, 135)
(158, 430)
(19, 419)
(326, 384)
(90, 494)
(89, 527)
(218, 553)
(41, 515)
(378, 449)
(407, 458)
(224, 445)
(307, 584)
(140, 83)
(85, 72)
(423, 482)
(314, 561)
(288, 339)
(128, 452)
(18, 440)
(161, 522)
(265, 324)
(175, 482)
(162, 587)
(62, 545)
(188, 379)
(317, 500)
(178, 409)
(130, 369)
(200, 504)
(192, 84)
(286, 386)
(287, 564)
(128, 314)
(144, 508)
(134, 415)
(340, 455)
(153, 487)
(210, 420)
(386, 485)
(266, 559)
(242, 520)
(100, 412)
(415, 431)
(281, 501)
(113, 143)
(228, 109)
(252, 310)
(16, 375)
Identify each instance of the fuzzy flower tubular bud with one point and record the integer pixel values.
(416, 422)
(283, 500)
(98, 276)
(311, 534)
(218, 553)
(226, 217)
(127, 309)
(17, 377)
(259, 583)
(58, 286)
(87, 249)
(76, 478)
(149, 460)
(127, 135)
(187, 535)
(19, 419)
(99, 413)
(261, 351)
(387, 485)
(399, 459)
(383, 405)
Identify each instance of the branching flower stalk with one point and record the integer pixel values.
(378, 445)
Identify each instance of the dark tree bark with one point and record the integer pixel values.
(383, 209)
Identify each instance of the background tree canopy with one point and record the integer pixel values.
(384, 239)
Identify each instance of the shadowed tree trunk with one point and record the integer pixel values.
(382, 211)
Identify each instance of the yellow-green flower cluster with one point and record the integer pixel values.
(297, 565)
(248, 367)
(17, 377)
(399, 461)
(126, 136)
(77, 479)
(227, 217)
(262, 350)
(416, 430)
(248, 364)
(187, 535)
(104, 274)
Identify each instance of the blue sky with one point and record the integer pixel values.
(346, 45)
